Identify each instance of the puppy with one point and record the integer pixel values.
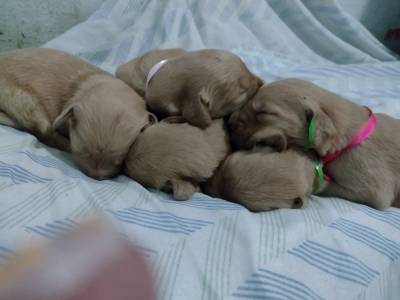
(176, 158)
(280, 115)
(48, 92)
(199, 85)
(262, 180)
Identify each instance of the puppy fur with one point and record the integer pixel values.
(263, 179)
(279, 115)
(199, 85)
(176, 158)
(72, 105)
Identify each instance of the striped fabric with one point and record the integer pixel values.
(206, 248)
(336, 263)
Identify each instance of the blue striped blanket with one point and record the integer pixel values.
(208, 248)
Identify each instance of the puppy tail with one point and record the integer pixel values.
(182, 189)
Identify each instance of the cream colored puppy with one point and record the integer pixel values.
(263, 179)
(176, 158)
(199, 85)
(48, 92)
(280, 115)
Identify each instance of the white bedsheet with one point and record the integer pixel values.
(209, 248)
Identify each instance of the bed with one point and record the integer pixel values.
(208, 248)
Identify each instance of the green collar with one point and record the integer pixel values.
(319, 180)
(311, 134)
(319, 167)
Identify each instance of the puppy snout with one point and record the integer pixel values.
(260, 83)
(298, 203)
(98, 172)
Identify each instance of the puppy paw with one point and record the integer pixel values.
(183, 190)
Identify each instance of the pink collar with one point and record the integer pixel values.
(154, 69)
(360, 137)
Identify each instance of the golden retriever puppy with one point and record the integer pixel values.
(281, 113)
(49, 92)
(198, 85)
(263, 179)
(135, 72)
(176, 158)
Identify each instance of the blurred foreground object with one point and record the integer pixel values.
(91, 263)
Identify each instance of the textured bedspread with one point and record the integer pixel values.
(208, 248)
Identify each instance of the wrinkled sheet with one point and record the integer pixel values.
(207, 248)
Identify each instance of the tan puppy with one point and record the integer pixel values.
(47, 91)
(280, 114)
(176, 158)
(262, 180)
(199, 85)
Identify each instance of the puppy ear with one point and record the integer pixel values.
(325, 130)
(196, 110)
(181, 189)
(276, 140)
(270, 137)
(66, 115)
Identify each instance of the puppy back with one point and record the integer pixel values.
(52, 76)
(167, 151)
(135, 72)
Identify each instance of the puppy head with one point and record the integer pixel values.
(103, 122)
(279, 116)
(172, 157)
(264, 180)
(227, 85)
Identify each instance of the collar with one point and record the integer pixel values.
(154, 69)
(319, 178)
(361, 136)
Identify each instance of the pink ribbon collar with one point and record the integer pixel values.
(154, 69)
(360, 137)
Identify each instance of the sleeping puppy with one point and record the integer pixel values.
(176, 158)
(134, 72)
(280, 115)
(263, 179)
(199, 85)
(49, 92)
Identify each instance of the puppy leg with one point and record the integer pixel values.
(59, 141)
(379, 198)
(6, 120)
(182, 189)
(25, 109)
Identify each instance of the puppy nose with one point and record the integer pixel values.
(297, 203)
(97, 173)
(260, 83)
(99, 177)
